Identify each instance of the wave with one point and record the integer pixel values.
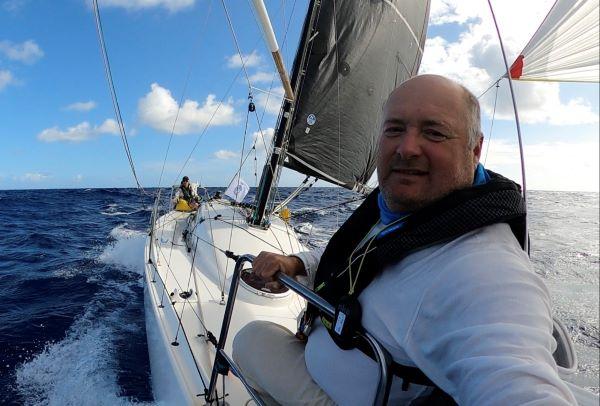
(83, 368)
(126, 249)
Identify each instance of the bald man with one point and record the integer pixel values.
(432, 265)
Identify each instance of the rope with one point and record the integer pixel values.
(113, 93)
(337, 82)
(491, 125)
(237, 45)
(180, 320)
(495, 83)
(255, 236)
(183, 92)
(250, 107)
(207, 125)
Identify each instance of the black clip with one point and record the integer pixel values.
(251, 106)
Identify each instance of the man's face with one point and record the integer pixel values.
(423, 146)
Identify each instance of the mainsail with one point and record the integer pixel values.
(565, 47)
(359, 52)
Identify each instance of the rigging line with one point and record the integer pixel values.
(277, 239)
(185, 86)
(164, 284)
(337, 83)
(180, 320)
(288, 231)
(242, 158)
(177, 315)
(210, 219)
(237, 45)
(491, 125)
(520, 138)
(284, 43)
(238, 184)
(259, 121)
(113, 93)
(210, 120)
(179, 325)
(492, 85)
(168, 262)
(207, 125)
(253, 235)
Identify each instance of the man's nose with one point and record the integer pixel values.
(409, 144)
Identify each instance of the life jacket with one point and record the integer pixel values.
(497, 201)
(187, 193)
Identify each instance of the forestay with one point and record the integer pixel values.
(360, 52)
(565, 46)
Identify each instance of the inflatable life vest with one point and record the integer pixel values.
(183, 205)
(497, 201)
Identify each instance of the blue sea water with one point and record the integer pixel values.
(71, 292)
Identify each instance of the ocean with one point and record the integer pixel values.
(71, 290)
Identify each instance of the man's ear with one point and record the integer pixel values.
(477, 149)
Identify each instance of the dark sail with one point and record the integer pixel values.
(338, 110)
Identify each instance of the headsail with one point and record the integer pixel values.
(565, 47)
(360, 52)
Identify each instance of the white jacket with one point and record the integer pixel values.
(471, 314)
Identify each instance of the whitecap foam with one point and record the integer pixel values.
(74, 371)
(127, 249)
(118, 213)
(78, 370)
(66, 272)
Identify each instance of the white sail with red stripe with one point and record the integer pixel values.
(565, 47)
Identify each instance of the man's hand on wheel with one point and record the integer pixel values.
(267, 264)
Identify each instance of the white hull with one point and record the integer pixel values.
(181, 372)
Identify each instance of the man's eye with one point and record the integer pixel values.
(391, 131)
(434, 135)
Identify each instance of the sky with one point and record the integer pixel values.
(177, 58)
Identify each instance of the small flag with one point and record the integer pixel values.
(238, 189)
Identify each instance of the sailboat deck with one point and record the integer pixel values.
(188, 283)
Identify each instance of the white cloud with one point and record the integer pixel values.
(109, 126)
(13, 6)
(26, 52)
(158, 109)
(250, 60)
(225, 154)
(6, 79)
(263, 142)
(170, 5)
(262, 77)
(569, 166)
(271, 101)
(448, 11)
(81, 132)
(475, 59)
(35, 177)
(82, 106)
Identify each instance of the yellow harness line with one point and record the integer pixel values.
(183, 205)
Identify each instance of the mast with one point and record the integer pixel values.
(272, 168)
